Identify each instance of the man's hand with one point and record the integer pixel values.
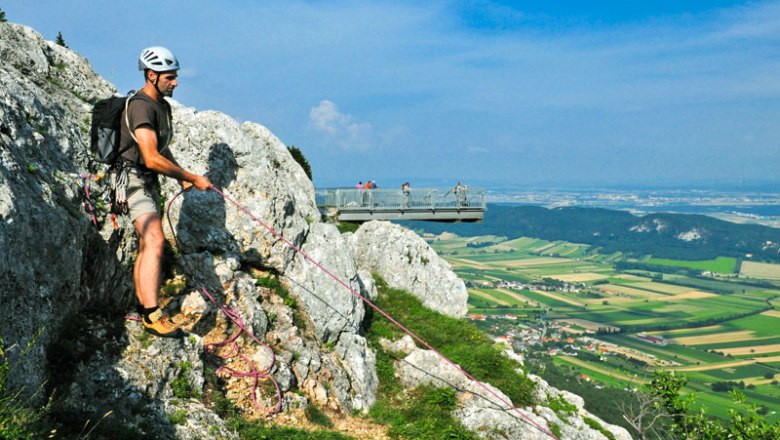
(186, 186)
(202, 183)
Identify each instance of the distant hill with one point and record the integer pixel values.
(662, 235)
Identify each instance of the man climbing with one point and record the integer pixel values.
(147, 126)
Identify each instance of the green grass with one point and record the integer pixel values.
(257, 431)
(724, 265)
(761, 325)
(455, 338)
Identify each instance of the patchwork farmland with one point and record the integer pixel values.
(722, 326)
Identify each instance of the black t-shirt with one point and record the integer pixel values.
(143, 110)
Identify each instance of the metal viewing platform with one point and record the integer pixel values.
(362, 205)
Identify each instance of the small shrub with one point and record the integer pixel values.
(182, 386)
(347, 227)
(556, 430)
(560, 406)
(179, 417)
(597, 426)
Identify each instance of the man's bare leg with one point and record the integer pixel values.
(146, 273)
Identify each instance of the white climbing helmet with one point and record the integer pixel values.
(158, 59)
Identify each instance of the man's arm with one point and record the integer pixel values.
(147, 145)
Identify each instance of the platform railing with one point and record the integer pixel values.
(345, 199)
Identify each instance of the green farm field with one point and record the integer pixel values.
(709, 314)
(724, 265)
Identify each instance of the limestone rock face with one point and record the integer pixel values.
(62, 277)
(407, 262)
(53, 262)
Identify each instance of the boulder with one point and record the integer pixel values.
(405, 261)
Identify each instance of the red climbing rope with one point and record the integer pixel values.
(382, 312)
(254, 373)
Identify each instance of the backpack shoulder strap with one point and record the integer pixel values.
(127, 117)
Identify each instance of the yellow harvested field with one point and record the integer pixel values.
(768, 359)
(772, 313)
(545, 247)
(626, 276)
(760, 270)
(759, 381)
(619, 289)
(579, 277)
(592, 325)
(517, 296)
(671, 289)
(693, 294)
(598, 369)
(488, 297)
(717, 366)
(685, 330)
(535, 262)
(469, 263)
(558, 297)
(756, 349)
(742, 335)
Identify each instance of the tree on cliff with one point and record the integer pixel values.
(662, 411)
(297, 154)
(2, 16)
(60, 40)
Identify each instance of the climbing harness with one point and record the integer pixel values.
(375, 307)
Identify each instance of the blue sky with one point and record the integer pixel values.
(523, 93)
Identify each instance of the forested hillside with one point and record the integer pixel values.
(679, 236)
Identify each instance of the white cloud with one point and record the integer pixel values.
(339, 128)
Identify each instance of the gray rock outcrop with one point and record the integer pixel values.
(484, 410)
(405, 261)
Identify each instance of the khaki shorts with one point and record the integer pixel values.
(143, 196)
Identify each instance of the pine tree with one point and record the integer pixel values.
(297, 154)
(60, 40)
(2, 16)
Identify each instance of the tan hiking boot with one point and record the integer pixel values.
(161, 325)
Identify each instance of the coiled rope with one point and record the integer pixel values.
(375, 307)
(254, 373)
